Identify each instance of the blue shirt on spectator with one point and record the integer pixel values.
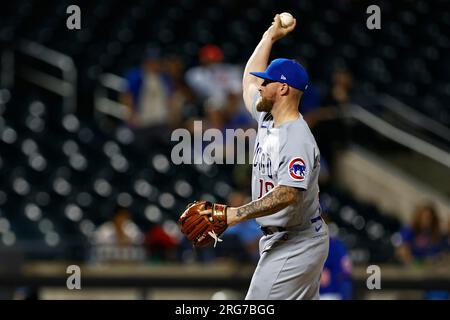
(135, 79)
(422, 244)
(336, 275)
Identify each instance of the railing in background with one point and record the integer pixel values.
(65, 86)
(104, 105)
(113, 253)
(414, 117)
(389, 131)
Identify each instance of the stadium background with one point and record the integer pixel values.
(68, 158)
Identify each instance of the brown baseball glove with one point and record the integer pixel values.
(205, 229)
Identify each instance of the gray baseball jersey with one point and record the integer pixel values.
(287, 155)
(291, 261)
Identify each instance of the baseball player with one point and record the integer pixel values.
(285, 192)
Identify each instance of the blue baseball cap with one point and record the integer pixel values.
(285, 71)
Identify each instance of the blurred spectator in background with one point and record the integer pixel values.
(241, 242)
(120, 230)
(336, 282)
(182, 101)
(442, 294)
(227, 113)
(218, 86)
(422, 240)
(26, 293)
(313, 110)
(230, 116)
(147, 93)
(160, 246)
(341, 88)
(118, 239)
(327, 122)
(447, 237)
(212, 78)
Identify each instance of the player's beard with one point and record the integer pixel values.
(264, 105)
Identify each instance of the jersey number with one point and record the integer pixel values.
(267, 185)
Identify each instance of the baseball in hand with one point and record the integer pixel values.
(286, 19)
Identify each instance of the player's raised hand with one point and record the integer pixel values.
(276, 31)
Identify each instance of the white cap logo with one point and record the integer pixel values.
(283, 77)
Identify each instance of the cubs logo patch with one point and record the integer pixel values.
(297, 169)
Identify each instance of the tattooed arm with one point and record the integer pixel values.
(277, 199)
